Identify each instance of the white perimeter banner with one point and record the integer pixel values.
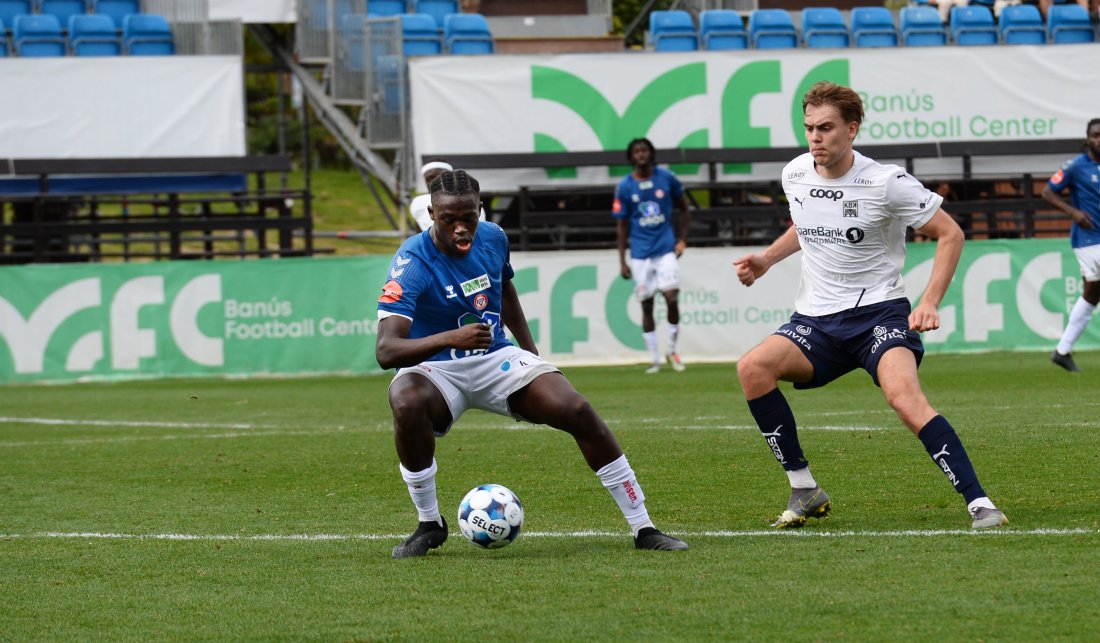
(261, 11)
(590, 102)
(124, 107)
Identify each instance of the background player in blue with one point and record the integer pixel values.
(643, 207)
(1081, 176)
(440, 324)
(849, 217)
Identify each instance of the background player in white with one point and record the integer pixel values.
(1081, 176)
(440, 324)
(643, 208)
(849, 218)
(418, 207)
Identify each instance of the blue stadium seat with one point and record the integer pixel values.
(147, 34)
(921, 27)
(420, 35)
(1069, 23)
(386, 8)
(973, 25)
(672, 31)
(437, 9)
(873, 27)
(9, 9)
(823, 27)
(467, 33)
(722, 29)
(116, 10)
(1022, 24)
(93, 35)
(772, 29)
(3, 41)
(62, 9)
(38, 36)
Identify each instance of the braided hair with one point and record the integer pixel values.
(455, 182)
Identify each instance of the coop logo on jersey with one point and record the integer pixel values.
(475, 285)
(481, 301)
(391, 293)
(832, 195)
(855, 235)
(851, 209)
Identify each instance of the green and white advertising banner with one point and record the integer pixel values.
(304, 316)
(587, 102)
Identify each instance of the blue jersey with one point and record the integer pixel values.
(1081, 175)
(647, 204)
(440, 293)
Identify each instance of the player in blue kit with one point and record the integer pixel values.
(643, 207)
(441, 320)
(849, 217)
(1081, 176)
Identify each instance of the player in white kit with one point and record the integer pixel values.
(849, 218)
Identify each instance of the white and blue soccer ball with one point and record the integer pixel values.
(490, 516)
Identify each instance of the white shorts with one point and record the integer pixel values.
(1088, 258)
(482, 381)
(653, 274)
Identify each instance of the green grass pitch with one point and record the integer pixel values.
(266, 509)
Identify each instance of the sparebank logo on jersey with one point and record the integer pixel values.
(129, 339)
(614, 129)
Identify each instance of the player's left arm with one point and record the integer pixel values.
(949, 243)
(685, 224)
(511, 313)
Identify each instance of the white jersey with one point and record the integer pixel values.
(852, 231)
(418, 207)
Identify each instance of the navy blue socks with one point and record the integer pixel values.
(943, 444)
(776, 421)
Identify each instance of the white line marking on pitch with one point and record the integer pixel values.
(568, 534)
(129, 423)
(147, 438)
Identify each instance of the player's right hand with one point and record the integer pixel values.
(750, 268)
(625, 271)
(472, 336)
(1082, 219)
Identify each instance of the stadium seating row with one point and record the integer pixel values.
(437, 9)
(41, 36)
(462, 33)
(116, 10)
(821, 27)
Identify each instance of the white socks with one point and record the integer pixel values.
(422, 490)
(1078, 319)
(619, 479)
(651, 344)
(801, 479)
(673, 333)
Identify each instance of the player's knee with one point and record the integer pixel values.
(409, 403)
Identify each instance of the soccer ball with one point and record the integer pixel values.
(490, 516)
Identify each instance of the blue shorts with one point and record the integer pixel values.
(839, 343)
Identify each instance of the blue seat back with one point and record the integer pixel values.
(62, 9)
(116, 10)
(722, 29)
(3, 41)
(354, 36)
(873, 27)
(973, 25)
(1069, 23)
(384, 8)
(772, 29)
(1022, 24)
(921, 27)
(672, 30)
(437, 9)
(419, 35)
(38, 36)
(467, 33)
(823, 27)
(93, 35)
(9, 9)
(147, 35)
